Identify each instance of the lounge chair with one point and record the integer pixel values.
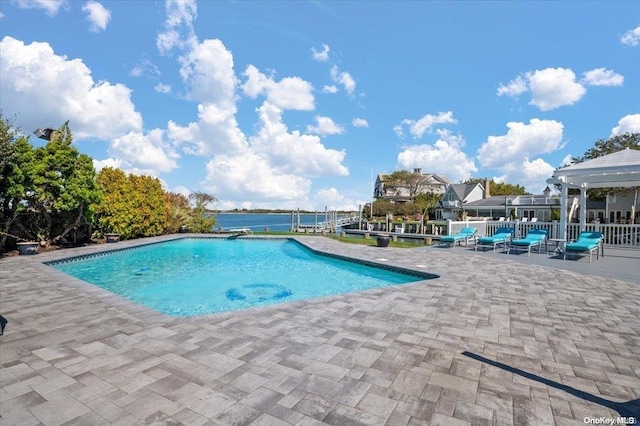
(587, 241)
(534, 238)
(501, 236)
(465, 235)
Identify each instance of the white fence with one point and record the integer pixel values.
(614, 234)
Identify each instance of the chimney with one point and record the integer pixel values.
(417, 170)
(487, 190)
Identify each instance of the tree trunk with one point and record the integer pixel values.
(68, 229)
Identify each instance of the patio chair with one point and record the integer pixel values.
(534, 238)
(501, 236)
(586, 242)
(465, 235)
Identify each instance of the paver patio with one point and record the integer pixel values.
(492, 341)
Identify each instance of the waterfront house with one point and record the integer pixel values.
(430, 183)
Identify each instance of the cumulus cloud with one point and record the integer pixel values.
(359, 122)
(322, 55)
(325, 126)
(97, 15)
(50, 89)
(333, 200)
(294, 152)
(631, 37)
(109, 162)
(532, 175)
(550, 88)
(419, 127)
(602, 77)
(50, 6)
(178, 32)
(250, 177)
(445, 157)
(521, 141)
(147, 153)
(291, 93)
(343, 78)
(627, 124)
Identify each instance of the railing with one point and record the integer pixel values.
(455, 203)
(613, 234)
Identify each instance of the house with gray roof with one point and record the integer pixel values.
(430, 183)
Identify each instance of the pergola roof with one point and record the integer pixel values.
(620, 169)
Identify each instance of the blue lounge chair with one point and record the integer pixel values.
(587, 241)
(465, 235)
(502, 236)
(534, 238)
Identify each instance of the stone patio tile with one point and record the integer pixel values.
(474, 414)
(443, 420)
(377, 405)
(58, 409)
(314, 406)
(342, 415)
(449, 381)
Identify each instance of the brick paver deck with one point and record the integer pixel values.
(489, 342)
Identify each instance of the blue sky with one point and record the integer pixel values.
(274, 104)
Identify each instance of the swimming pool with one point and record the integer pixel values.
(197, 276)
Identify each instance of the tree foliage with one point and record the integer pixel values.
(178, 212)
(414, 182)
(500, 188)
(202, 220)
(131, 205)
(611, 145)
(608, 146)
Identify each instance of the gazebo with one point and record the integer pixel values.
(617, 170)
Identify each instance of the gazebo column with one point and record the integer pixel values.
(583, 209)
(564, 193)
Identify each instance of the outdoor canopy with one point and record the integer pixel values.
(617, 170)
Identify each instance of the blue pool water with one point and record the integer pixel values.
(200, 276)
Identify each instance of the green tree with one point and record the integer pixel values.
(611, 145)
(132, 206)
(604, 147)
(16, 158)
(178, 211)
(64, 187)
(413, 182)
(500, 188)
(202, 219)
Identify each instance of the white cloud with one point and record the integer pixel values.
(97, 15)
(321, 56)
(516, 87)
(291, 93)
(333, 200)
(532, 175)
(293, 152)
(567, 160)
(550, 88)
(48, 89)
(162, 88)
(148, 153)
(631, 37)
(444, 157)
(325, 126)
(250, 177)
(178, 31)
(627, 124)
(330, 89)
(50, 6)
(424, 124)
(109, 162)
(359, 122)
(343, 78)
(602, 77)
(521, 141)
